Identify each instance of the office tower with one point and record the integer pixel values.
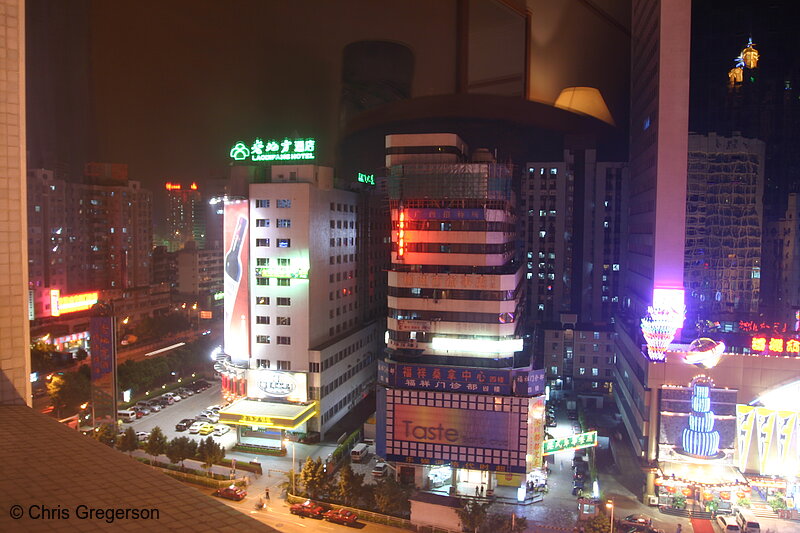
(293, 330)
(199, 273)
(454, 322)
(15, 366)
(185, 221)
(658, 167)
(723, 227)
(574, 236)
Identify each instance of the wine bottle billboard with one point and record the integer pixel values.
(235, 281)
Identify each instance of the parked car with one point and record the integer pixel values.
(210, 415)
(206, 429)
(221, 429)
(165, 401)
(184, 424)
(572, 415)
(173, 396)
(142, 436)
(195, 427)
(638, 520)
(139, 412)
(307, 508)
(380, 470)
(728, 524)
(155, 405)
(341, 516)
(231, 492)
(199, 385)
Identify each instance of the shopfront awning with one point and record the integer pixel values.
(700, 474)
(272, 415)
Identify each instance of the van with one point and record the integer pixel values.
(380, 469)
(126, 415)
(727, 524)
(359, 452)
(747, 522)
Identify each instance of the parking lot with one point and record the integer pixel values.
(186, 408)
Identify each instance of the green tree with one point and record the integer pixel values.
(180, 449)
(497, 523)
(156, 443)
(350, 486)
(209, 453)
(289, 484)
(391, 497)
(473, 515)
(128, 442)
(313, 477)
(106, 434)
(599, 524)
(69, 390)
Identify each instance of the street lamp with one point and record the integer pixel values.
(287, 442)
(610, 505)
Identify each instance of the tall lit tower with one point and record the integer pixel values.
(184, 216)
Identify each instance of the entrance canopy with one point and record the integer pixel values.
(700, 474)
(273, 415)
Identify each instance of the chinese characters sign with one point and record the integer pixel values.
(448, 378)
(775, 345)
(103, 370)
(282, 271)
(369, 179)
(573, 442)
(754, 327)
(274, 150)
(444, 214)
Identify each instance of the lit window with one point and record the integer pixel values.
(284, 301)
(553, 171)
(554, 370)
(261, 261)
(262, 242)
(284, 321)
(282, 261)
(283, 203)
(615, 267)
(542, 234)
(262, 320)
(262, 339)
(582, 371)
(262, 300)
(262, 203)
(284, 223)
(283, 282)
(284, 243)
(595, 372)
(262, 222)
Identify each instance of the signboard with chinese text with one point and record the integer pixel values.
(773, 344)
(573, 442)
(529, 382)
(103, 370)
(274, 150)
(282, 271)
(444, 214)
(61, 305)
(414, 325)
(449, 378)
(265, 383)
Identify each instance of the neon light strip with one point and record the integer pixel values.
(165, 349)
(401, 238)
(477, 345)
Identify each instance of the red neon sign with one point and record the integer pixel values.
(174, 186)
(401, 238)
(776, 345)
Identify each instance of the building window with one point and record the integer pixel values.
(313, 367)
(284, 243)
(283, 282)
(262, 339)
(595, 372)
(284, 321)
(581, 371)
(284, 340)
(262, 363)
(262, 300)
(262, 242)
(284, 365)
(282, 261)
(554, 370)
(262, 203)
(284, 223)
(262, 222)
(262, 261)
(262, 320)
(262, 281)
(284, 301)
(596, 334)
(283, 203)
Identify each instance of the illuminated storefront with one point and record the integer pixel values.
(263, 423)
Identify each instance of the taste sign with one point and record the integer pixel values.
(457, 427)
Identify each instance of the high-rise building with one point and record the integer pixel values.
(15, 386)
(199, 272)
(723, 227)
(574, 236)
(454, 321)
(185, 216)
(657, 200)
(293, 328)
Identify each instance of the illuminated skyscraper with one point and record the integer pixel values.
(185, 211)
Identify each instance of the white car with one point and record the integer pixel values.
(195, 428)
(142, 436)
(211, 415)
(380, 469)
(221, 429)
(175, 397)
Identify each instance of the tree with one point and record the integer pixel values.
(350, 486)
(473, 514)
(180, 449)
(209, 452)
(391, 497)
(128, 442)
(106, 434)
(69, 390)
(497, 523)
(288, 485)
(156, 443)
(599, 524)
(313, 477)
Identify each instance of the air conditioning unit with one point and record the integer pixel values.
(652, 500)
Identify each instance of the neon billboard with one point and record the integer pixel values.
(274, 150)
(62, 305)
(573, 442)
(369, 179)
(235, 280)
(775, 345)
(282, 271)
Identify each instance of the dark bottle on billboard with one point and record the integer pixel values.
(233, 264)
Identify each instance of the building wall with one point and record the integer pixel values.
(583, 358)
(788, 257)
(15, 367)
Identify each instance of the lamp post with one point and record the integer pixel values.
(287, 442)
(610, 505)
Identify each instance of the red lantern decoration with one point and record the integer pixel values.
(725, 495)
(708, 496)
(658, 482)
(740, 494)
(670, 489)
(686, 491)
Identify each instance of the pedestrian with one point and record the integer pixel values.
(481, 491)
(266, 493)
(477, 491)
(678, 530)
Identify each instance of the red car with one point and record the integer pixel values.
(307, 508)
(341, 516)
(231, 493)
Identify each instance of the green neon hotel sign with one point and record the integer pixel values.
(366, 178)
(573, 442)
(279, 271)
(274, 150)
